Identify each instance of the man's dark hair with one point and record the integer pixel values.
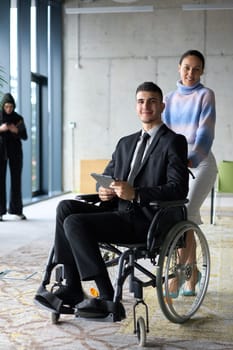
(193, 53)
(150, 86)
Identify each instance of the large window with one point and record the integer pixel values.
(33, 41)
(14, 50)
(35, 137)
(35, 111)
(30, 37)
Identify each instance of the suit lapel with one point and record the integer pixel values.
(129, 152)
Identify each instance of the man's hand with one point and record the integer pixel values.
(123, 190)
(106, 194)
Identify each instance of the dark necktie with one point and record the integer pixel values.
(138, 158)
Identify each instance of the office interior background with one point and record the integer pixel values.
(73, 67)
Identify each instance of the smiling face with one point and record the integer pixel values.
(190, 69)
(149, 107)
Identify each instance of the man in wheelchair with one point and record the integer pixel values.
(148, 165)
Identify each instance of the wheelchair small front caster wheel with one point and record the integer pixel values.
(141, 331)
(55, 317)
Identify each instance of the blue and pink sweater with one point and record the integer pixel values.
(190, 111)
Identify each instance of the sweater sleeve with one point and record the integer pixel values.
(205, 129)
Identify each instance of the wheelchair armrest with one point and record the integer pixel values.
(169, 204)
(167, 214)
(91, 198)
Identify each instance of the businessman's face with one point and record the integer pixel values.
(149, 108)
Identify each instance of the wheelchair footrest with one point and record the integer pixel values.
(100, 310)
(104, 318)
(47, 300)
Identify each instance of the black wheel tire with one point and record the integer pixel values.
(141, 331)
(55, 317)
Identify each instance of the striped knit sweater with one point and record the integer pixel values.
(190, 111)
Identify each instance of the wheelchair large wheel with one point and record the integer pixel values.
(182, 283)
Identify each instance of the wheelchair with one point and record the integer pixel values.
(164, 250)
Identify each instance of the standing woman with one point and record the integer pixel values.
(12, 131)
(190, 110)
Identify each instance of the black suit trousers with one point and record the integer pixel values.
(81, 226)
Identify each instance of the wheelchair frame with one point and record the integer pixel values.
(167, 261)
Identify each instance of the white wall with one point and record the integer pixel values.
(107, 55)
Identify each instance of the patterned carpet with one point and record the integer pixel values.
(24, 326)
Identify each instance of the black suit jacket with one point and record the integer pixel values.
(163, 174)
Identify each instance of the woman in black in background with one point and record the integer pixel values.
(12, 131)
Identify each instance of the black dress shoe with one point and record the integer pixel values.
(68, 296)
(100, 308)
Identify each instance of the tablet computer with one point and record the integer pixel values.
(103, 180)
